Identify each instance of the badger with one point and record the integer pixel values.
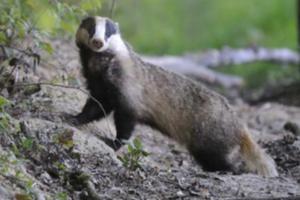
(138, 92)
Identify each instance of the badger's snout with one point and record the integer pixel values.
(97, 43)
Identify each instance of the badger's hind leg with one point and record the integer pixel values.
(211, 159)
(244, 154)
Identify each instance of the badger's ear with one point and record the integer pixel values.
(110, 28)
(89, 24)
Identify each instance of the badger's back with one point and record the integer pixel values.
(176, 105)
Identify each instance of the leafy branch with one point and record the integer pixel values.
(133, 157)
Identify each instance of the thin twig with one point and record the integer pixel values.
(20, 50)
(70, 87)
(8, 77)
(298, 28)
(113, 4)
(3, 51)
(65, 86)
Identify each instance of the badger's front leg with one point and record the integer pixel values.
(90, 112)
(125, 122)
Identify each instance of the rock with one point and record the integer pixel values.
(5, 194)
(293, 128)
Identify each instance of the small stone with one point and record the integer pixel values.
(46, 178)
(5, 194)
(180, 193)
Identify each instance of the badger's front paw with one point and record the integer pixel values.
(70, 119)
(114, 144)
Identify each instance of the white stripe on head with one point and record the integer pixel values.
(99, 33)
(100, 28)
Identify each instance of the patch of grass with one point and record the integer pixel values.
(62, 196)
(259, 74)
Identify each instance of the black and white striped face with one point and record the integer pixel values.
(95, 32)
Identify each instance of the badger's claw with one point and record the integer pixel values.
(114, 144)
(70, 119)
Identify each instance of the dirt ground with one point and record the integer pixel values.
(66, 162)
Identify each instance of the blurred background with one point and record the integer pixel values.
(176, 26)
(168, 27)
(246, 50)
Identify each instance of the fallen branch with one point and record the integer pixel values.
(229, 56)
(197, 65)
(190, 68)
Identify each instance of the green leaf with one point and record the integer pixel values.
(132, 158)
(15, 150)
(27, 143)
(28, 184)
(89, 5)
(137, 143)
(4, 122)
(47, 20)
(145, 153)
(62, 196)
(3, 102)
(121, 158)
(3, 38)
(21, 29)
(68, 27)
(130, 148)
(47, 47)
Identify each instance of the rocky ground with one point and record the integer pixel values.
(42, 157)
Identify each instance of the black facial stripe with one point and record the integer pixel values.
(110, 28)
(89, 24)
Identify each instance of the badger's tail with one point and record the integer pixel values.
(255, 158)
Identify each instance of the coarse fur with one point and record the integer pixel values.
(177, 106)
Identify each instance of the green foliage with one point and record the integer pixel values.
(176, 26)
(7, 123)
(27, 144)
(12, 167)
(132, 158)
(3, 102)
(64, 138)
(4, 117)
(4, 121)
(61, 166)
(15, 150)
(61, 196)
(46, 46)
(20, 18)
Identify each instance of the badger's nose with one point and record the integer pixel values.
(97, 43)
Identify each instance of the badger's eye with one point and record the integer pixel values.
(110, 29)
(91, 31)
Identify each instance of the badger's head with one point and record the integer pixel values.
(95, 32)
